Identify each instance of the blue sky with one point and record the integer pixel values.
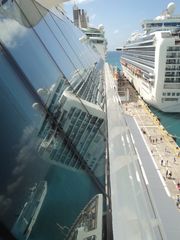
(120, 17)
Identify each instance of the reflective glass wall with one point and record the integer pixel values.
(52, 141)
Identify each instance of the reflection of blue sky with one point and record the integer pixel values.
(10, 30)
(25, 150)
(24, 156)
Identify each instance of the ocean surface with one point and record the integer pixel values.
(170, 121)
(113, 58)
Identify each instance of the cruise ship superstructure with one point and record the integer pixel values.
(95, 36)
(150, 61)
(89, 224)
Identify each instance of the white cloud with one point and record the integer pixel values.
(10, 30)
(12, 187)
(25, 145)
(116, 31)
(17, 170)
(5, 203)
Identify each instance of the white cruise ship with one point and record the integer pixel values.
(30, 211)
(89, 224)
(151, 61)
(94, 36)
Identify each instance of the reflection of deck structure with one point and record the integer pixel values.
(27, 218)
(88, 224)
(82, 124)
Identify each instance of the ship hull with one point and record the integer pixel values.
(147, 94)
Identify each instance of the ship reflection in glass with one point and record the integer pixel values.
(52, 121)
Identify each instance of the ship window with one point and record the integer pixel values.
(171, 24)
(171, 61)
(169, 79)
(171, 55)
(77, 112)
(71, 112)
(93, 237)
(177, 94)
(173, 94)
(169, 73)
(171, 99)
(154, 25)
(168, 94)
(164, 94)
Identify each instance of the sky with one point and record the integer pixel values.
(120, 17)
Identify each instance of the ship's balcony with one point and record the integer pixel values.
(172, 74)
(172, 86)
(173, 49)
(141, 61)
(144, 69)
(140, 56)
(172, 68)
(140, 52)
(173, 61)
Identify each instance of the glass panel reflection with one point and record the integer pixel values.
(52, 122)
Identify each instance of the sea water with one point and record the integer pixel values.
(170, 121)
(68, 193)
(113, 58)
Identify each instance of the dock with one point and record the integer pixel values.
(164, 150)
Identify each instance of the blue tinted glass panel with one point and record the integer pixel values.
(31, 187)
(172, 24)
(70, 49)
(30, 54)
(18, 141)
(38, 193)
